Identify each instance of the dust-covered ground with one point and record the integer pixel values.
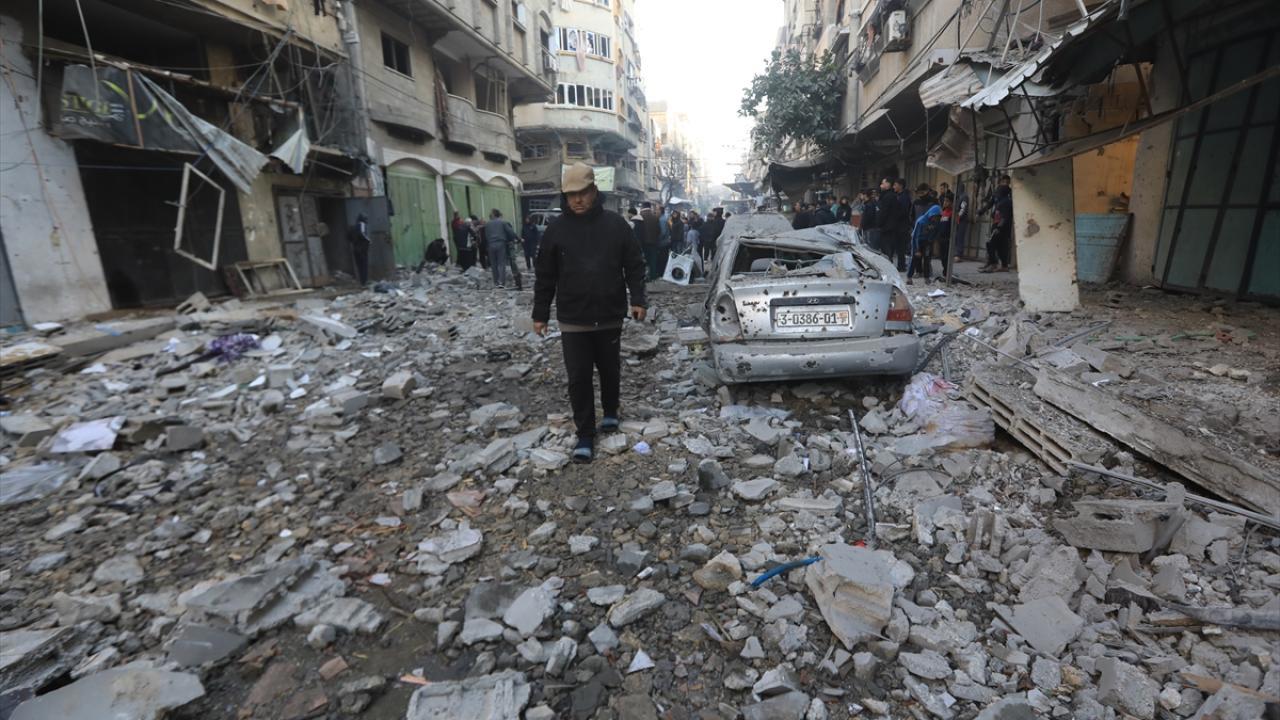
(328, 546)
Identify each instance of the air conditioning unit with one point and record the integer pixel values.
(897, 35)
(550, 63)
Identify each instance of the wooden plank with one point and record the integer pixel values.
(1210, 685)
(1200, 462)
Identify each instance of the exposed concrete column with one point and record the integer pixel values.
(1044, 225)
(48, 234)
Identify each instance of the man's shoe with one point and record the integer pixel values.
(609, 425)
(584, 451)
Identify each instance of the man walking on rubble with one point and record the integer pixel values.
(591, 266)
(360, 242)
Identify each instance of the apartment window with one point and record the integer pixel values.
(520, 12)
(491, 91)
(595, 44)
(395, 55)
(584, 96)
(576, 150)
(568, 38)
(537, 150)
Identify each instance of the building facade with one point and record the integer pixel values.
(1154, 121)
(598, 115)
(441, 82)
(141, 135)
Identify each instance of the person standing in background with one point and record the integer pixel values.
(529, 235)
(360, 242)
(499, 236)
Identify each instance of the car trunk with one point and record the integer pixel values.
(809, 307)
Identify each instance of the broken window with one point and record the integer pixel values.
(395, 55)
(185, 196)
(491, 91)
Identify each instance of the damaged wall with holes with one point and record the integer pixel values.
(48, 238)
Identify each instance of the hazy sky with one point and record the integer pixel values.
(698, 55)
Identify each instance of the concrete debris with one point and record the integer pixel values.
(853, 589)
(193, 645)
(500, 696)
(635, 606)
(1130, 526)
(290, 519)
(138, 693)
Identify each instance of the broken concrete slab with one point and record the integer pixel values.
(193, 645)
(119, 569)
(137, 693)
(31, 659)
(1116, 525)
(788, 706)
(530, 609)
(327, 329)
(854, 590)
(29, 429)
(1047, 624)
(1059, 573)
(1126, 688)
(348, 614)
(75, 609)
(754, 490)
(635, 606)
(108, 336)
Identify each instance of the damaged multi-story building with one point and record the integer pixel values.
(1141, 138)
(599, 114)
(157, 148)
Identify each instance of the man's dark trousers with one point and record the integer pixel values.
(584, 351)
(360, 253)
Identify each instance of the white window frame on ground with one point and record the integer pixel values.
(212, 262)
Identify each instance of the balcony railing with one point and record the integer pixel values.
(628, 179)
(463, 126)
(496, 136)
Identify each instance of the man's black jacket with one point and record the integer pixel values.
(588, 264)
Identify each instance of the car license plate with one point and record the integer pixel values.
(804, 318)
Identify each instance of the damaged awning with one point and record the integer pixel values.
(1093, 141)
(121, 107)
(996, 91)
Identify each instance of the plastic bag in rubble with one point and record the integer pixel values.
(946, 422)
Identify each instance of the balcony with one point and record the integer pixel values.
(463, 128)
(496, 136)
(628, 179)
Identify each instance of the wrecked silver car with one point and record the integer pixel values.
(789, 304)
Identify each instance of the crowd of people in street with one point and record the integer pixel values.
(662, 231)
(914, 229)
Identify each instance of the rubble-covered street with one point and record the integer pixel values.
(360, 504)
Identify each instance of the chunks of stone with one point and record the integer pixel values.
(387, 453)
(854, 590)
(500, 696)
(348, 614)
(138, 693)
(606, 595)
(31, 659)
(496, 416)
(1126, 688)
(582, 544)
(436, 554)
(29, 429)
(496, 457)
(927, 664)
(754, 490)
(193, 645)
(816, 506)
(635, 606)
(75, 609)
(711, 475)
(719, 572)
(1057, 573)
(1129, 526)
(530, 609)
(1047, 624)
(178, 438)
(788, 706)
(398, 385)
(119, 569)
